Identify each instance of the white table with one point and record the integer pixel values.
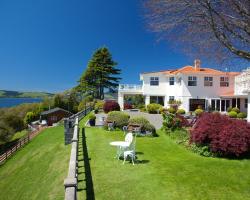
(120, 146)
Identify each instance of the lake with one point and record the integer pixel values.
(9, 102)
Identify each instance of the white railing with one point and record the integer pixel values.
(130, 87)
(242, 82)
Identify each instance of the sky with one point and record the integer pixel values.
(45, 45)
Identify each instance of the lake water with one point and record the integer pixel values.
(9, 102)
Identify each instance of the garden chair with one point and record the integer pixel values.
(125, 130)
(111, 126)
(130, 152)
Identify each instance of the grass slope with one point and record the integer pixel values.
(16, 94)
(38, 170)
(165, 171)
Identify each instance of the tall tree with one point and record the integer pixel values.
(101, 73)
(211, 28)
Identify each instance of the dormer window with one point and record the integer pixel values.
(224, 81)
(192, 81)
(154, 81)
(208, 81)
(171, 80)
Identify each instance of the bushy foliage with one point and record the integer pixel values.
(198, 112)
(235, 109)
(6, 132)
(232, 114)
(153, 108)
(29, 117)
(171, 122)
(144, 123)
(242, 115)
(181, 111)
(229, 109)
(120, 118)
(223, 136)
(13, 121)
(99, 105)
(111, 106)
(127, 106)
(92, 116)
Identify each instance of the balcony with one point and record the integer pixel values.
(130, 88)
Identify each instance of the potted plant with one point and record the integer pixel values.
(92, 119)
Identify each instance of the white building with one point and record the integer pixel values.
(194, 86)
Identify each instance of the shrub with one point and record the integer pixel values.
(127, 106)
(181, 111)
(232, 114)
(29, 117)
(154, 108)
(229, 109)
(223, 136)
(172, 110)
(242, 115)
(162, 110)
(92, 116)
(235, 109)
(173, 121)
(99, 105)
(111, 106)
(144, 123)
(198, 112)
(120, 118)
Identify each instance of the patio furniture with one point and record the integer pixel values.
(125, 130)
(111, 125)
(135, 128)
(121, 145)
(130, 152)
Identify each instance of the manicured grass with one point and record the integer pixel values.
(38, 170)
(165, 170)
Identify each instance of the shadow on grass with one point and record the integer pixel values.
(88, 176)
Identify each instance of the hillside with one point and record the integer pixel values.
(16, 94)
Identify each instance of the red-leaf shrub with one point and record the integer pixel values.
(223, 135)
(183, 120)
(111, 106)
(127, 106)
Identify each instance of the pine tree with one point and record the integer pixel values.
(100, 74)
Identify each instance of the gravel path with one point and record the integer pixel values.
(155, 119)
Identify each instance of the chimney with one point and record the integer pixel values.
(197, 64)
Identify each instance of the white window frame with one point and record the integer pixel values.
(224, 81)
(154, 81)
(193, 80)
(208, 81)
(171, 80)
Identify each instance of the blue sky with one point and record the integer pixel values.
(45, 45)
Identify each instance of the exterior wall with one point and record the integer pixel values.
(56, 116)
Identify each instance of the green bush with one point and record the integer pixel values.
(198, 112)
(235, 109)
(144, 123)
(232, 114)
(99, 105)
(172, 110)
(181, 111)
(120, 118)
(242, 115)
(29, 117)
(92, 116)
(201, 150)
(229, 109)
(154, 108)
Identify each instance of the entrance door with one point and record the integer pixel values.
(195, 103)
(215, 104)
(225, 104)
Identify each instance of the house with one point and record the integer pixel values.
(194, 86)
(54, 115)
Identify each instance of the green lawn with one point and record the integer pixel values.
(38, 170)
(165, 171)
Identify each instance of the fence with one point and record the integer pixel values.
(71, 132)
(21, 142)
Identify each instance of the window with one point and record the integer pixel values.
(171, 80)
(208, 81)
(154, 81)
(224, 81)
(53, 118)
(171, 98)
(246, 102)
(192, 81)
(157, 99)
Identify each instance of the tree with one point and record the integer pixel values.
(100, 74)
(59, 101)
(210, 28)
(29, 117)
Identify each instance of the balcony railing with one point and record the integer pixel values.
(130, 87)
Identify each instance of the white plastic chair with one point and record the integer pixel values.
(130, 152)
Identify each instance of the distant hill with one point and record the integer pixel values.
(16, 94)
